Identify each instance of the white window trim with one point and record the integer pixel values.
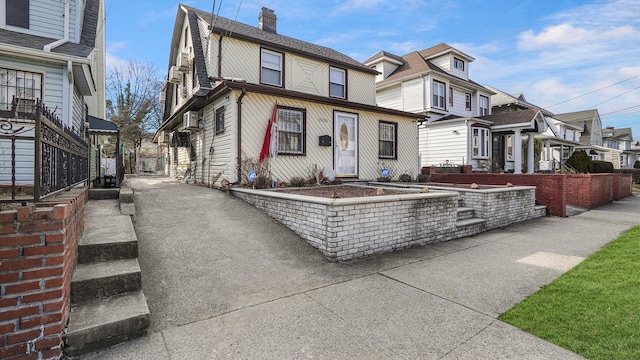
(456, 61)
(480, 106)
(444, 95)
(476, 143)
(343, 84)
(280, 69)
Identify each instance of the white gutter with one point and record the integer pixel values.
(65, 38)
(40, 55)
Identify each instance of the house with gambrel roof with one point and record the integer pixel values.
(229, 82)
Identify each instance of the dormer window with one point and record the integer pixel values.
(337, 82)
(458, 64)
(271, 67)
(17, 13)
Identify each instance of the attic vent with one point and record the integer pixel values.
(267, 20)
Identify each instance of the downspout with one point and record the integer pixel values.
(71, 92)
(239, 139)
(65, 37)
(220, 57)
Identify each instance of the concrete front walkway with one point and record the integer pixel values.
(223, 280)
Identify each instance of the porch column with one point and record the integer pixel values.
(517, 152)
(530, 154)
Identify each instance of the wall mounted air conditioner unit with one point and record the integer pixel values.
(174, 75)
(162, 96)
(163, 137)
(183, 91)
(183, 61)
(190, 120)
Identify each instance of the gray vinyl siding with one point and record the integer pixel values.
(46, 18)
(24, 156)
(77, 117)
(53, 82)
(217, 150)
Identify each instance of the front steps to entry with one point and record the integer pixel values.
(107, 303)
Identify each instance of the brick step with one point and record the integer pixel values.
(104, 279)
(465, 213)
(105, 322)
(111, 238)
(468, 222)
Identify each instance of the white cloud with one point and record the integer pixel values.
(564, 35)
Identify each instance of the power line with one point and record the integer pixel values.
(591, 92)
(617, 96)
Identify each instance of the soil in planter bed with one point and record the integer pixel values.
(341, 191)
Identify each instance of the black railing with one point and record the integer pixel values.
(39, 156)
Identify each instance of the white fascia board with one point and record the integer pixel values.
(41, 55)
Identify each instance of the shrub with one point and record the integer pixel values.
(297, 181)
(600, 166)
(423, 178)
(405, 178)
(636, 165)
(262, 182)
(384, 179)
(580, 161)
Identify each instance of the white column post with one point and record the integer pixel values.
(517, 152)
(530, 154)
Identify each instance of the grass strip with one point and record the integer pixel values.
(592, 310)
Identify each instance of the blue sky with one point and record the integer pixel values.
(564, 55)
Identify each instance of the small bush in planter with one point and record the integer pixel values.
(580, 161)
(636, 165)
(384, 179)
(297, 181)
(405, 178)
(423, 178)
(600, 166)
(262, 182)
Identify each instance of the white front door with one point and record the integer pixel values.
(345, 135)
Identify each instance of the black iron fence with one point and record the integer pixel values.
(39, 155)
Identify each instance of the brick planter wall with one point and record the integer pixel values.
(350, 228)
(550, 188)
(38, 248)
(555, 191)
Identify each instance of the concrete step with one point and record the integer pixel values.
(102, 194)
(104, 279)
(106, 322)
(468, 222)
(465, 213)
(111, 238)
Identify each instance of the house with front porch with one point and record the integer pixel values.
(559, 139)
(241, 97)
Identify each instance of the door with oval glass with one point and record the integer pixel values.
(345, 134)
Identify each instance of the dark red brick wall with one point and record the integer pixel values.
(555, 190)
(549, 187)
(38, 251)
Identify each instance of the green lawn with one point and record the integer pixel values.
(592, 310)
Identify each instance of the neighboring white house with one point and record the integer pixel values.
(435, 82)
(226, 80)
(559, 139)
(591, 135)
(620, 139)
(51, 52)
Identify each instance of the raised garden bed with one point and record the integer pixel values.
(354, 227)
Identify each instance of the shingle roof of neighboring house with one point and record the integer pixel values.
(502, 98)
(578, 116)
(415, 63)
(623, 133)
(513, 117)
(251, 33)
(384, 54)
(82, 49)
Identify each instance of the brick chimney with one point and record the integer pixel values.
(267, 20)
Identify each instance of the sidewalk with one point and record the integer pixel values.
(223, 280)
